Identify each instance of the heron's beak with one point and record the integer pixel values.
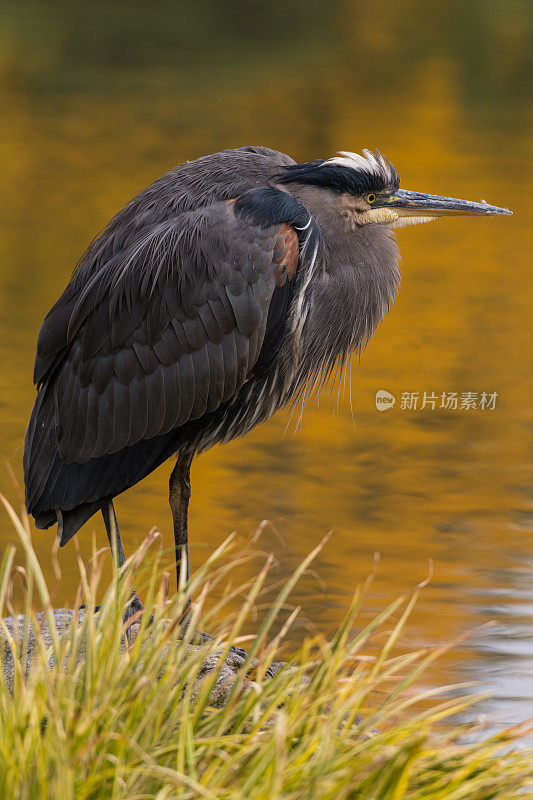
(411, 208)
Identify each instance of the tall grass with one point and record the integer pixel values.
(96, 716)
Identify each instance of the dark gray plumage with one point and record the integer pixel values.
(215, 297)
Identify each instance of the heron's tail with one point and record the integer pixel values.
(43, 474)
(69, 522)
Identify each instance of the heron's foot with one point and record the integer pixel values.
(133, 615)
(238, 651)
(234, 650)
(135, 607)
(202, 638)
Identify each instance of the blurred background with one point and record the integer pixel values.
(100, 98)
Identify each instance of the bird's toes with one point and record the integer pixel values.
(234, 651)
(238, 651)
(133, 614)
(134, 606)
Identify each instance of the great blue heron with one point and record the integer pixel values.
(213, 299)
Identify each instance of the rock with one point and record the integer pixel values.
(63, 619)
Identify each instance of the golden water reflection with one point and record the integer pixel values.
(94, 109)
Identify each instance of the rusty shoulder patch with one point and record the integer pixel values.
(286, 254)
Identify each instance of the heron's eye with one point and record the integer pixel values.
(370, 198)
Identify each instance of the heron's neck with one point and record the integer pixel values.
(352, 292)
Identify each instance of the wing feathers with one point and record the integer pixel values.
(201, 378)
(106, 431)
(171, 376)
(123, 415)
(229, 352)
(164, 333)
(139, 400)
(186, 373)
(248, 314)
(213, 331)
(215, 357)
(155, 406)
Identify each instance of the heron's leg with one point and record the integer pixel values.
(179, 496)
(115, 542)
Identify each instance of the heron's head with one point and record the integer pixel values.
(366, 189)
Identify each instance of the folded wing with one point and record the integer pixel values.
(165, 330)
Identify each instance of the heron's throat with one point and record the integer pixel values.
(394, 218)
